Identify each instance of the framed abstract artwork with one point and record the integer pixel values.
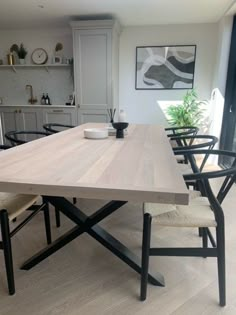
(165, 67)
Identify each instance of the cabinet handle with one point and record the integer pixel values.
(58, 111)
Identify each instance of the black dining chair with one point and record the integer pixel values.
(181, 131)
(55, 128)
(204, 210)
(21, 137)
(193, 143)
(13, 206)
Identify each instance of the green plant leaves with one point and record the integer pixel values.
(189, 113)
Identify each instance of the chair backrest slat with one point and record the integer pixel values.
(55, 128)
(13, 136)
(200, 176)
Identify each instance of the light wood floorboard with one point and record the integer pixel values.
(84, 278)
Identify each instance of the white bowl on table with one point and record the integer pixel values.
(95, 133)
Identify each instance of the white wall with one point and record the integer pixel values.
(140, 105)
(58, 82)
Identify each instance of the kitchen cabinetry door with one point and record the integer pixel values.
(9, 120)
(21, 119)
(88, 116)
(30, 120)
(95, 68)
(65, 116)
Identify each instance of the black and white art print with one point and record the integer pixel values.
(165, 67)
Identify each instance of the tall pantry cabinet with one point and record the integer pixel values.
(96, 68)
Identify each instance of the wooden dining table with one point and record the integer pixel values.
(138, 168)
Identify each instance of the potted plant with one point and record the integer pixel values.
(22, 53)
(189, 113)
(57, 58)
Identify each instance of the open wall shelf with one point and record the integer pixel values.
(45, 66)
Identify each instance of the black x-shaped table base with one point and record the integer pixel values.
(89, 224)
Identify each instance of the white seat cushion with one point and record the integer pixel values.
(197, 214)
(185, 168)
(180, 158)
(15, 204)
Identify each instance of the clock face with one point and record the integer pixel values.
(39, 56)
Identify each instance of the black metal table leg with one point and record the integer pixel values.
(121, 251)
(90, 226)
(52, 248)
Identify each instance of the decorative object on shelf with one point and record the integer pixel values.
(165, 67)
(22, 53)
(120, 126)
(1, 62)
(95, 133)
(189, 113)
(111, 113)
(58, 47)
(10, 56)
(39, 56)
(57, 59)
(122, 116)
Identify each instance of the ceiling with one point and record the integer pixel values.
(44, 13)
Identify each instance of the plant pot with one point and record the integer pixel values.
(22, 61)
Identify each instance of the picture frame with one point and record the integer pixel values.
(57, 59)
(165, 67)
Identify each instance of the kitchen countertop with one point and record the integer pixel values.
(37, 105)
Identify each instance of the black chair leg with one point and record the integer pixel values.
(58, 218)
(220, 238)
(147, 219)
(74, 200)
(47, 223)
(6, 242)
(204, 239)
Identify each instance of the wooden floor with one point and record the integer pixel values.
(85, 278)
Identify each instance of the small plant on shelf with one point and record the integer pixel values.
(20, 51)
(58, 47)
(189, 113)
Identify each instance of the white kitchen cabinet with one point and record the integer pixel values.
(32, 118)
(95, 45)
(65, 116)
(20, 119)
(88, 115)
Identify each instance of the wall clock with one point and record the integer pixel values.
(39, 56)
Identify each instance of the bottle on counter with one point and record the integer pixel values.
(47, 100)
(43, 99)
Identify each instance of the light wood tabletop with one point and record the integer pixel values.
(140, 167)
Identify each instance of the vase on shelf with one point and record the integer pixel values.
(22, 61)
(10, 59)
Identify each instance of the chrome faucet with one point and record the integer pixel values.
(31, 100)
